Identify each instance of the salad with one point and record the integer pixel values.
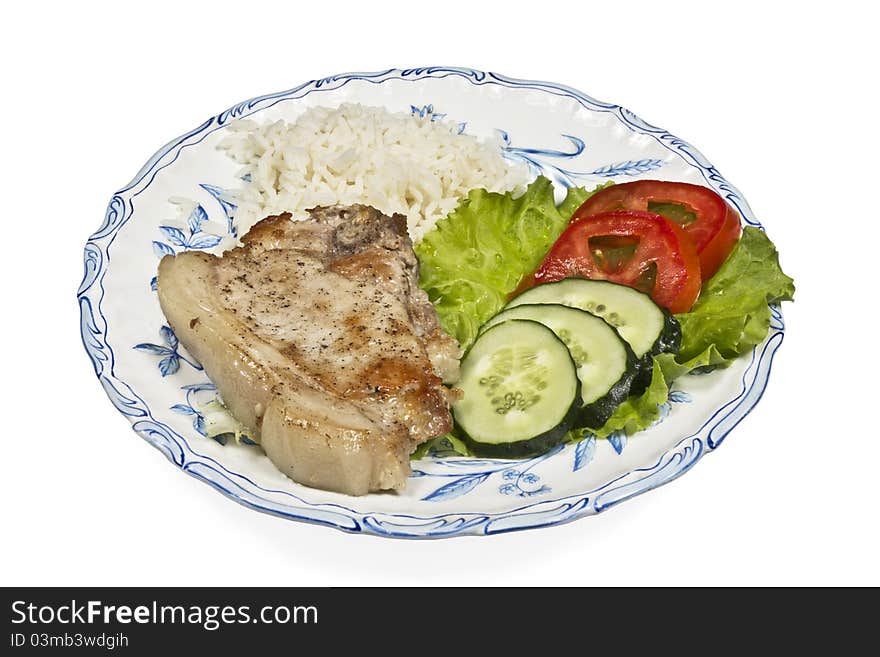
(576, 318)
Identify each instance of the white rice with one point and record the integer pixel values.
(396, 162)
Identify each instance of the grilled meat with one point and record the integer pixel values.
(320, 342)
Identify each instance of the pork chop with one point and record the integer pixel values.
(320, 342)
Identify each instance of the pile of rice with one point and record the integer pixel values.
(418, 166)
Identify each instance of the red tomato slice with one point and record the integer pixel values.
(639, 249)
(716, 251)
(702, 213)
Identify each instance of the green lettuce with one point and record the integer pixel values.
(576, 196)
(706, 360)
(732, 314)
(476, 256)
(639, 411)
(446, 444)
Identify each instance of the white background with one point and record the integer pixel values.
(783, 100)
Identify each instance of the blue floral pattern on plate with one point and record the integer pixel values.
(169, 353)
(191, 408)
(194, 238)
(536, 160)
(516, 477)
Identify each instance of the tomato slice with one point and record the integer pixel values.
(640, 249)
(716, 251)
(702, 213)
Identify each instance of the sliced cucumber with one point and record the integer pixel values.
(647, 327)
(606, 365)
(520, 391)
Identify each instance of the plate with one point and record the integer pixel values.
(558, 132)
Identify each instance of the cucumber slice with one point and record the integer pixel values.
(520, 391)
(647, 327)
(606, 365)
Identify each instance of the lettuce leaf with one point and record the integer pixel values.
(476, 256)
(638, 412)
(705, 361)
(576, 196)
(444, 445)
(732, 314)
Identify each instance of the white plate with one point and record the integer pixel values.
(560, 133)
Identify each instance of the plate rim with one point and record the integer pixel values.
(674, 462)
